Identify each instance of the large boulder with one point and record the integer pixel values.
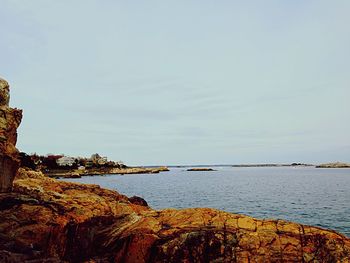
(10, 119)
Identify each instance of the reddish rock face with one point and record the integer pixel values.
(10, 119)
(45, 220)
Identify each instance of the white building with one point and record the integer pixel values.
(65, 161)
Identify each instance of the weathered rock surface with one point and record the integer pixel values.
(51, 221)
(10, 119)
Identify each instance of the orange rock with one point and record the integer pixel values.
(9, 122)
(247, 223)
(45, 219)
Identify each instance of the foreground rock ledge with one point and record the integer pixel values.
(45, 220)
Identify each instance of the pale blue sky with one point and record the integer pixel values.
(180, 82)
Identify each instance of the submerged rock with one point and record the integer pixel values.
(45, 219)
(10, 119)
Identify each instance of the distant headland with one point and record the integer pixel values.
(334, 165)
(74, 167)
(272, 165)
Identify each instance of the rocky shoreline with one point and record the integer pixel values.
(104, 171)
(46, 220)
(53, 221)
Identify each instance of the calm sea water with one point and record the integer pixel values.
(319, 197)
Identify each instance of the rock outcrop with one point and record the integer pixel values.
(45, 220)
(10, 119)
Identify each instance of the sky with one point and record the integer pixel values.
(180, 82)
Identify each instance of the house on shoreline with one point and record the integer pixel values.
(66, 161)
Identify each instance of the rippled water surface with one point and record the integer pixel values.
(319, 197)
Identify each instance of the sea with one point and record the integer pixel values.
(307, 195)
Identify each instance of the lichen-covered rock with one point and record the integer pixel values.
(4, 93)
(10, 119)
(45, 219)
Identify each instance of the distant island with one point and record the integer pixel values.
(189, 166)
(334, 165)
(200, 170)
(272, 165)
